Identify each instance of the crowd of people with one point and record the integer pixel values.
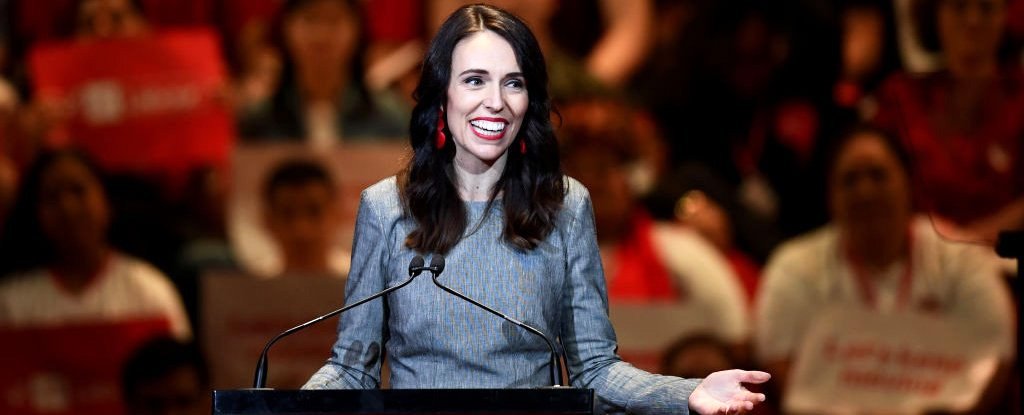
(759, 160)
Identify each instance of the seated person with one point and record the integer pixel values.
(301, 213)
(964, 123)
(645, 261)
(321, 98)
(166, 376)
(876, 254)
(72, 306)
(61, 267)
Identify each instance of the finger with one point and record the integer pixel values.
(749, 397)
(753, 376)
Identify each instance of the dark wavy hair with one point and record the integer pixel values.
(532, 183)
(25, 245)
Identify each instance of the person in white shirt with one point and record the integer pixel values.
(878, 255)
(59, 266)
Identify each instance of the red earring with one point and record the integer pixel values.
(440, 131)
(522, 146)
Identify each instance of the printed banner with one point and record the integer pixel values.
(152, 104)
(859, 361)
(70, 369)
(240, 314)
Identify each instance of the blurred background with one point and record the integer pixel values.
(173, 169)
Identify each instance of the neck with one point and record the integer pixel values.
(968, 69)
(877, 252)
(76, 267)
(475, 179)
(320, 84)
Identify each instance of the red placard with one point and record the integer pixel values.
(151, 105)
(70, 369)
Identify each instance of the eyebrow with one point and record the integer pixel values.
(485, 72)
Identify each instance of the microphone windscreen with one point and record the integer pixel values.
(416, 264)
(437, 263)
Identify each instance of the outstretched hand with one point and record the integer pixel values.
(722, 393)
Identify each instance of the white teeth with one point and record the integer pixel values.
(488, 125)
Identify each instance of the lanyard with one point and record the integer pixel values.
(865, 283)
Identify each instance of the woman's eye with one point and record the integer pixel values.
(474, 81)
(516, 83)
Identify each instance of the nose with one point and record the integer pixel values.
(494, 101)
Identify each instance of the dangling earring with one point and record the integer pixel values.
(522, 146)
(440, 131)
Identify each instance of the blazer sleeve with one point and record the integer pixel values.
(587, 334)
(355, 361)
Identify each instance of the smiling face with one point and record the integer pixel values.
(870, 189)
(487, 100)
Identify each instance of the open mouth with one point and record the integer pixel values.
(489, 129)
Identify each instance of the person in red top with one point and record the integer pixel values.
(964, 124)
(648, 262)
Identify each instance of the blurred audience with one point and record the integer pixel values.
(99, 19)
(8, 188)
(876, 254)
(692, 196)
(166, 376)
(60, 267)
(647, 262)
(301, 210)
(321, 97)
(696, 356)
(869, 52)
(747, 92)
(964, 123)
(571, 76)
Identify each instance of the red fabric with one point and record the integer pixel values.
(961, 176)
(393, 20)
(72, 368)
(641, 276)
(747, 271)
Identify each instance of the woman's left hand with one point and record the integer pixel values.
(722, 393)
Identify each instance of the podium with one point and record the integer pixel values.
(548, 401)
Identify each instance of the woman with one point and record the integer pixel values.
(963, 124)
(60, 268)
(320, 97)
(484, 182)
(877, 255)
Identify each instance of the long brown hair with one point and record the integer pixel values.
(532, 181)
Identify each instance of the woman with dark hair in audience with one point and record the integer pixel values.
(964, 124)
(58, 265)
(320, 97)
(877, 255)
(484, 188)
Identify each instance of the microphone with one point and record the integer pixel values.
(260, 381)
(437, 266)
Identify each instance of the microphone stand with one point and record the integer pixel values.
(437, 266)
(260, 380)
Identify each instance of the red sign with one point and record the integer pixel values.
(72, 369)
(151, 105)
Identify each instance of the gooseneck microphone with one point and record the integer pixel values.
(260, 381)
(437, 266)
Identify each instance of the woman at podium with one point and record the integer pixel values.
(484, 188)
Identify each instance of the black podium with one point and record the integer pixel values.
(550, 401)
